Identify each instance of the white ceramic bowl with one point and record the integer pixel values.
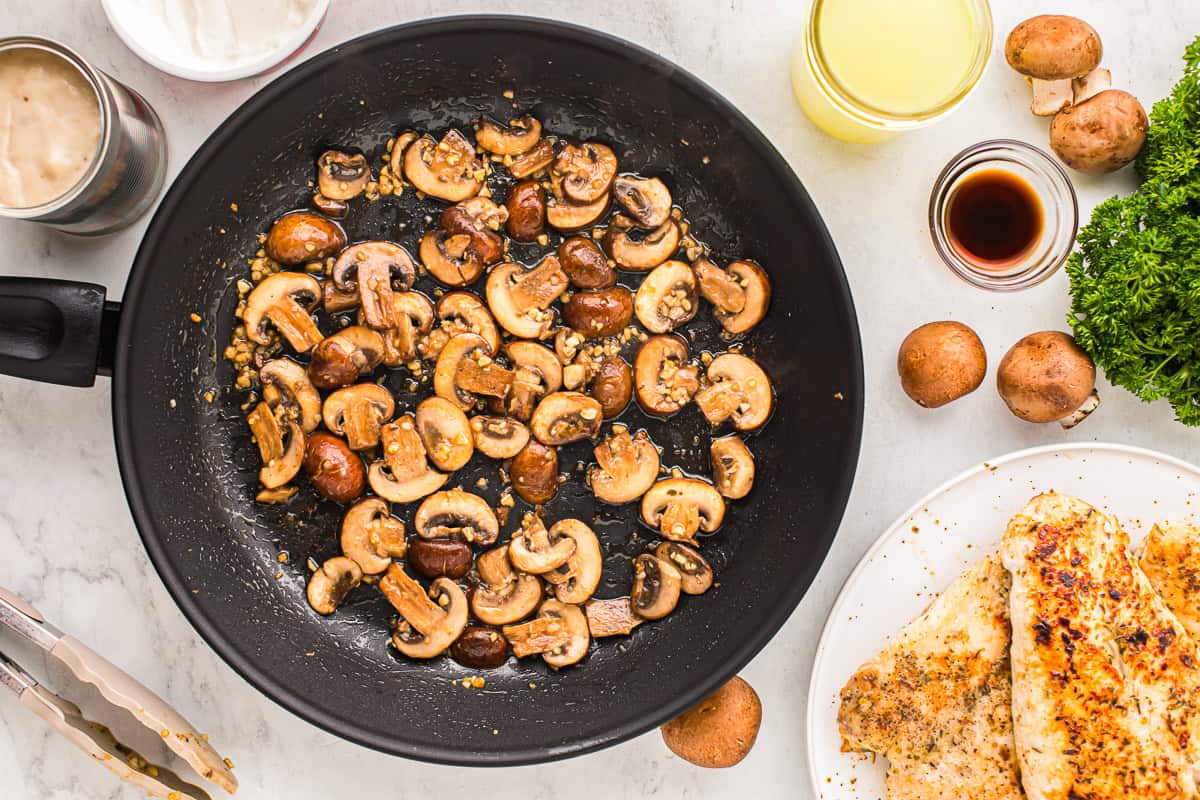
(122, 13)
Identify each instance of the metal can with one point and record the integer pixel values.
(130, 164)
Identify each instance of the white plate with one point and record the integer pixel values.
(945, 532)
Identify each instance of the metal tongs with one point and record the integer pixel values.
(118, 688)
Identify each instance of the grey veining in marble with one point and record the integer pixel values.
(67, 541)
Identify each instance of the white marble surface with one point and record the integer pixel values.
(67, 541)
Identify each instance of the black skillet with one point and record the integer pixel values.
(189, 467)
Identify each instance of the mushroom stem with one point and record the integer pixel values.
(293, 322)
(1051, 97)
(540, 635)
(410, 600)
(538, 287)
(1080, 414)
(1090, 85)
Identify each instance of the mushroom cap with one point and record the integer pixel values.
(646, 200)
(719, 730)
(437, 250)
(445, 372)
(428, 626)
(286, 383)
(445, 432)
(520, 322)
(578, 635)
(652, 249)
(586, 172)
(1052, 47)
(457, 514)
(450, 172)
(301, 236)
(504, 596)
(385, 484)
(328, 586)
(696, 575)
(540, 358)
(663, 379)
(342, 176)
(513, 139)
(1102, 134)
(564, 417)
(371, 537)
(757, 286)
(499, 437)
(466, 313)
(1045, 377)
(656, 587)
(667, 298)
(692, 494)
(940, 362)
(358, 412)
(281, 289)
(535, 550)
(568, 217)
(732, 466)
(344, 357)
(626, 467)
(739, 389)
(576, 581)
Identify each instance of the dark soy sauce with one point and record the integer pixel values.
(994, 217)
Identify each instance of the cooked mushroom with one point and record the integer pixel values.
(611, 617)
(404, 475)
(345, 357)
(396, 154)
(732, 466)
(568, 217)
(597, 313)
(1102, 134)
(480, 220)
(328, 586)
(284, 299)
(439, 558)
(559, 633)
(480, 648)
(447, 170)
(667, 298)
(535, 550)
(286, 386)
(534, 473)
(536, 373)
(585, 263)
(719, 730)
(695, 574)
(679, 507)
(520, 299)
(940, 362)
(456, 514)
(282, 451)
(426, 627)
(586, 172)
(576, 581)
(741, 293)
(449, 258)
(342, 176)
(647, 200)
(656, 585)
(335, 300)
(719, 287)
(503, 595)
(538, 158)
(563, 417)
(513, 139)
(664, 380)
(358, 412)
(1047, 377)
(652, 249)
(413, 314)
(566, 347)
(461, 312)
(302, 236)
(526, 206)
(465, 368)
(738, 388)
(499, 437)
(445, 432)
(627, 467)
(612, 386)
(1051, 50)
(330, 207)
(371, 536)
(334, 470)
(377, 270)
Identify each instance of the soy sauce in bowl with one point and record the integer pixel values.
(994, 217)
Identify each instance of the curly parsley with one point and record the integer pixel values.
(1135, 281)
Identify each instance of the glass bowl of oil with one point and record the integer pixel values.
(1003, 215)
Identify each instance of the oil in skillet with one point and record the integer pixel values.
(994, 218)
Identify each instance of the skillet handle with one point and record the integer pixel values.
(56, 331)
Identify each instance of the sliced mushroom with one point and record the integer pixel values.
(358, 412)
(426, 627)
(465, 368)
(286, 386)
(413, 315)
(449, 258)
(586, 172)
(540, 156)
(679, 507)
(342, 176)
(335, 300)
(667, 298)
(377, 270)
(345, 357)
(499, 437)
(330, 207)
(480, 219)
(696, 576)
(559, 633)
(404, 475)
(627, 467)
(576, 581)
(447, 170)
(563, 417)
(647, 200)
(732, 466)
(738, 389)
(396, 155)
(534, 473)
(371, 537)
(445, 432)
(462, 312)
(284, 299)
(664, 380)
(302, 236)
(535, 550)
(566, 346)
(652, 249)
(719, 287)
(328, 586)
(513, 139)
(536, 373)
(504, 595)
(597, 313)
(656, 586)
(520, 298)
(567, 217)
(754, 282)
(456, 514)
(611, 617)
(282, 450)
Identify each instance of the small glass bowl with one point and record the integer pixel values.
(1060, 211)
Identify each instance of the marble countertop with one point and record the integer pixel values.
(67, 541)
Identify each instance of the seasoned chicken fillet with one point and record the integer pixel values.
(1106, 690)
(936, 700)
(1171, 560)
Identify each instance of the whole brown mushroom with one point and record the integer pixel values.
(1046, 377)
(1051, 50)
(719, 730)
(1102, 134)
(940, 362)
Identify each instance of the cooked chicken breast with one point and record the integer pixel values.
(1106, 690)
(1171, 560)
(936, 700)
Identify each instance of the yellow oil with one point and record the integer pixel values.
(904, 58)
